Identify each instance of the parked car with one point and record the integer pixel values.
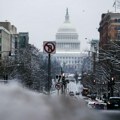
(97, 105)
(100, 106)
(113, 103)
(77, 93)
(71, 93)
(91, 104)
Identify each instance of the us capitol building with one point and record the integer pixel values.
(68, 47)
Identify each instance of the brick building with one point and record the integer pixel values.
(109, 28)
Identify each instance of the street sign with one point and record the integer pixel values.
(58, 86)
(49, 47)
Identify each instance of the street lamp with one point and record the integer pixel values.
(111, 84)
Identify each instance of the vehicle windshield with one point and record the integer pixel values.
(115, 100)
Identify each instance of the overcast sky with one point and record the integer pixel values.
(42, 18)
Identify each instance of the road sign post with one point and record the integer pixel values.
(49, 47)
(58, 87)
(49, 72)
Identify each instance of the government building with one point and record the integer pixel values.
(68, 47)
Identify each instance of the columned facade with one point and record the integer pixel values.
(68, 47)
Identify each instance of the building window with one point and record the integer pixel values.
(117, 28)
(117, 20)
(0, 48)
(118, 37)
(0, 40)
(0, 31)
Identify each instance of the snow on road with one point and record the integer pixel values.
(74, 87)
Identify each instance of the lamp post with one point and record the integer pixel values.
(111, 84)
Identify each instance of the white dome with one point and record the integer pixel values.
(67, 27)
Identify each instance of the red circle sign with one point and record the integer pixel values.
(49, 47)
(58, 86)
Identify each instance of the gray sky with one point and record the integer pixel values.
(42, 18)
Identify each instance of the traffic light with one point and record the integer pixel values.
(57, 76)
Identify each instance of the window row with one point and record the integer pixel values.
(68, 58)
(74, 67)
(117, 28)
(117, 20)
(66, 37)
(70, 62)
(68, 45)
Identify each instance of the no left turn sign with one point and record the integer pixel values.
(49, 47)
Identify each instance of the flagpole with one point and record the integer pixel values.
(115, 5)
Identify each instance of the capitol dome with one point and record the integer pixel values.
(67, 27)
(67, 37)
(68, 46)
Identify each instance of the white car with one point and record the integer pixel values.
(97, 105)
(91, 104)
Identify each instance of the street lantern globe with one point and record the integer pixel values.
(112, 78)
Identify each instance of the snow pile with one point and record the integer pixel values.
(79, 86)
(18, 103)
(72, 87)
(75, 87)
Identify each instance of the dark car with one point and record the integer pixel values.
(71, 93)
(77, 93)
(113, 103)
(100, 106)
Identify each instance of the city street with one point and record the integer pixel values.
(60, 60)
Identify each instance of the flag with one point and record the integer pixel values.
(114, 3)
(118, 4)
